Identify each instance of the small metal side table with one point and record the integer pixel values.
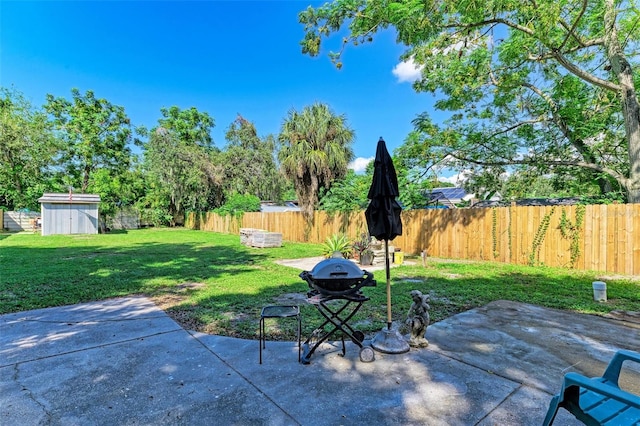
(278, 311)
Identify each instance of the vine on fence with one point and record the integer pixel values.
(572, 231)
(509, 234)
(539, 237)
(494, 231)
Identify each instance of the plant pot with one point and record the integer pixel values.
(366, 258)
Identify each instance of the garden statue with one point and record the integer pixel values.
(418, 319)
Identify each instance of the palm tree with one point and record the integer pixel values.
(315, 151)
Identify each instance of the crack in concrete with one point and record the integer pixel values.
(117, 342)
(25, 390)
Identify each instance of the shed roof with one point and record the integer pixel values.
(66, 198)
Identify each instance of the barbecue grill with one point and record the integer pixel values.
(337, 276)
(335, 290)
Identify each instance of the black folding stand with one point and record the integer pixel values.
(336, 319)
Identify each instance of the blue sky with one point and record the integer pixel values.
(222, 57)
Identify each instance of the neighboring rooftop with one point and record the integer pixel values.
(565, 201)
(279, 207)
(450, 197)
(445, 197)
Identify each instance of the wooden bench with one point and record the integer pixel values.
(598, 400)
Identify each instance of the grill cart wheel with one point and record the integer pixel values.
(367, 354)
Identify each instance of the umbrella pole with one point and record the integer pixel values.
(388, 271)
(389, 340)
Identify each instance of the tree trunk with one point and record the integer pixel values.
(621, 68)
(85, 179)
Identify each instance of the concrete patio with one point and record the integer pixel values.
(124, 361)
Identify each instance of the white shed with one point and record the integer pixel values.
(69, 213)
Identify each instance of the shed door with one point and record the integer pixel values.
(70, 219)
(87, 219)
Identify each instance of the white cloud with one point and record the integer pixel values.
(407, 71)
(456, 179)
(359, 165)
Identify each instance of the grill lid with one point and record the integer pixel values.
(336, 268)
(337, 276)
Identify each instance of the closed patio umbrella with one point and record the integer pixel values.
(384, 223)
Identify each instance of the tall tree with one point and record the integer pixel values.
(250, 163)
(27, 151)
(179, 160)
(315, 150)
(117, 192)
(347, 195)
(542, 84)
(96, 135)
(192, 127)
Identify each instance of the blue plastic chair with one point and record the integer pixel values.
(598, 400)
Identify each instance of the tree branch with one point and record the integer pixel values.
(351, 39)
(515, 126)
(506, 22)
(562, 125)
(584, 75)
(582, 164)
(571, 31)
(583, 45)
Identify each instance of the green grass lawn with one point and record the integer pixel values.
(211, 283)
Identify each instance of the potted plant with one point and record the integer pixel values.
(366, 257)
(362, 247)
(336, 243)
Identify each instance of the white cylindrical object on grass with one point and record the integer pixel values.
(599, 291)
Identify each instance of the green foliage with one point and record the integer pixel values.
(362, 244)
(546, 87)
(494, 231)
(27, 152)
(95, 133)
(349, 194)
(117, 191)
(610, 198)
(337, 243)
(249, 163)
(538, 238)
(572, 231)
(346, 195)
(315, 151)
(179, 163)
(510, 232)
(156, 215)
(191, 127)
(413, 185)
(237, 204)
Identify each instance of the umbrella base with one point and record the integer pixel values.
(389, 341)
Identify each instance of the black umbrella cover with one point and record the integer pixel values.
(383, 212)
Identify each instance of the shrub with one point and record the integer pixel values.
(337, 242)
(362, 244)
(237, 204)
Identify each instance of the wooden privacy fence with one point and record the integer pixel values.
(15, 221)
(595, 237)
